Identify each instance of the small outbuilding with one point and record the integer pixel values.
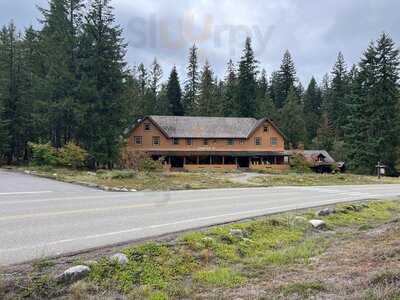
(320, 160)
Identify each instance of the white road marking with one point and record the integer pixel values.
(25, 193)
(249, 214)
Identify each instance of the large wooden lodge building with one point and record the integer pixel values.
(192, 143)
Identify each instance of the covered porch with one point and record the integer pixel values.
(223, 160)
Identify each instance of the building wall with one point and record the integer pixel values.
(198, 144)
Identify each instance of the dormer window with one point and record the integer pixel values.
(147, 126)
(266, 128)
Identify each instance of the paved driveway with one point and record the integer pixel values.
(41, 217)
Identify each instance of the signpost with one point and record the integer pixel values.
(381, 169)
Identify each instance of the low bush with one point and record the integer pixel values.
(299, 164)
(44, 154)
(138, 160)
(71, 155)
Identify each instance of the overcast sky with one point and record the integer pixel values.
(313, 31)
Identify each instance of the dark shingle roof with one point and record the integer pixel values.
(312, 155)
(206, 127)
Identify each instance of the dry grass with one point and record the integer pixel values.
(161, 181)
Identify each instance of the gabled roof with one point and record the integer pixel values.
(313, 155)
(205, 127)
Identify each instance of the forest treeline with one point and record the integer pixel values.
(69, 82)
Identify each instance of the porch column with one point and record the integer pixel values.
(236, 162)
(274, 160)
(210, 160)
(249, 161)
(223, 160)
(184, 160)
(198, 159)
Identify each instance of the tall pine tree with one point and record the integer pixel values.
(229, 106)
(191, 89)
(102, 83)
(312, 109)
(371, 133)
(339, 89)
(174, 94)
(292, 120)
(283, 80)
(208, 105)
(247, 82)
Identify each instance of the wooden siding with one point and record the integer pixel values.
(198, 144)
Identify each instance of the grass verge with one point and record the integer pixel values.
(275, 257)
(160, 181)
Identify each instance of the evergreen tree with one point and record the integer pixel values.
(59, 54)
(102, 83)
(174, 94)
(325, 135)
(312, 108)
(156, 74)
(265, 105)
(13, 87)
(283, 80)
(4, 136)
(229, 107)
(339, 89)
(375, 94)
(190, 99)
(292, 120)
(207, 96)
(247, 82)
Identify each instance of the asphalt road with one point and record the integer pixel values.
(41, 217)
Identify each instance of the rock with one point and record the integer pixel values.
(91, 173)
(238, 233)
(73, 274)
(116, 189)
(104, 188)
(55, 174)
(120, 258)
(27, 172)
(318, 224)
(124, 190)
(325, 212)
(133, 190)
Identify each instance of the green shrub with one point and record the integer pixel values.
(71, 155)
(299, 164)
(149, 165)
(44, 154)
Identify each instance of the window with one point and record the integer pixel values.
(242, 141)
(137, 140)
(175, 141)
(147, 126)
(156, 141)
(189, 142)
(231, 142)
(205, 141)
(266, 128)
(257, 141)
(274, 141)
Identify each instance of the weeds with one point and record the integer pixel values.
(220, 277)
(304, 290)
